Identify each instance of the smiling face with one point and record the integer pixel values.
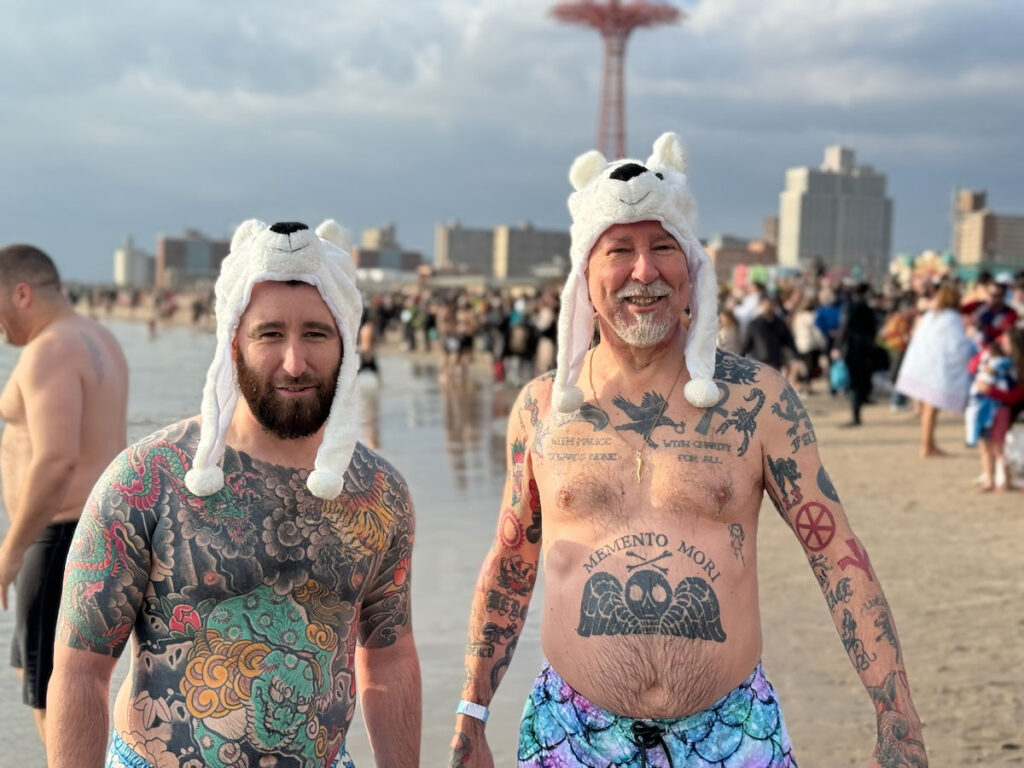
(287, 358)
(638, 281)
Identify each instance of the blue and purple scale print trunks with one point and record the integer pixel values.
(563, 729)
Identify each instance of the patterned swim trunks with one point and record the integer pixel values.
(120, 755)
(743, 729)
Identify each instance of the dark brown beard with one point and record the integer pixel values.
(286, 419)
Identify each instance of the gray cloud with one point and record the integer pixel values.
(143, 118)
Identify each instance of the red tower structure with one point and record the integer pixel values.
(615, 21)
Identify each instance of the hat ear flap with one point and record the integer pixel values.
(668, 153)
(245, 231)
(586, 168)
(333, 232)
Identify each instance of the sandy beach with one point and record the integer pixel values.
(949, 559)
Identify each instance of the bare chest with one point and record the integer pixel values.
(12, 405)
(607, 476)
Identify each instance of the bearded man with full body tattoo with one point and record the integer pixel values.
(643, 493)
(258, 555)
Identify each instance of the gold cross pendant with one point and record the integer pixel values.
(639, 464)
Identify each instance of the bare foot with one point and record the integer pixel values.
(933, 453)
(984, 488)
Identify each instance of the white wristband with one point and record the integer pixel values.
(473, 709)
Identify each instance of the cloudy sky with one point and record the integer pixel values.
(143, 118)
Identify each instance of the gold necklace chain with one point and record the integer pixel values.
(638, 452)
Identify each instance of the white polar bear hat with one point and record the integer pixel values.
(623, 192)
(284, 251)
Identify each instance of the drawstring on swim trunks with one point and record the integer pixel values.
(648, 736)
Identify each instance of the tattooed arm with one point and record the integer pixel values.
(105, 578)
(387, 666)
(503, 590)
(806, 499)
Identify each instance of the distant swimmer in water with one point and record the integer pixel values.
(64, 406)
(642, 490)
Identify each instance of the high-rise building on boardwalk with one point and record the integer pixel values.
(189, 259)
(133, 267)
(984, 239)
(501, 253)
(839, 213)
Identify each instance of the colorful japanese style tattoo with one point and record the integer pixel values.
(246, 605)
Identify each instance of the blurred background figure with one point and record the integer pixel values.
(935, 366)
(368, 377)
(855, 343)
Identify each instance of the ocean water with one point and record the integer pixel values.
(449, 443)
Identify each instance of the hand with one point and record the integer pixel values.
(899, 743)
(10, 566)
(983, 387)
(470, 751)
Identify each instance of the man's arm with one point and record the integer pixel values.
(104, 582)
(388, 679)
(53, 413)
(503, 589)
(807, 500)
(387, 667)
(79, 695)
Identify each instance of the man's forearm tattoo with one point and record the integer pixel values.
(854, 646)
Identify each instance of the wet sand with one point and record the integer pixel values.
(949, 560)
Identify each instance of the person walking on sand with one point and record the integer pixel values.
(65, 407)
(642, 492)
(935, 365)
(258, 556)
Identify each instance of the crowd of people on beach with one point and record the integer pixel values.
(936, 343)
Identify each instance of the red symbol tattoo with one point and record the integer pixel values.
(791, 499)
(510, 530)
(859, 559)
(815, 526)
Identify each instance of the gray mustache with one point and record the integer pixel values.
(636, 289)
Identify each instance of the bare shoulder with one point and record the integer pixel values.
(373, 480)
(533, 404)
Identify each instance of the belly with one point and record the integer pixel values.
(653, 622)
(15, 454)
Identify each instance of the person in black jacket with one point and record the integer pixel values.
(856, 344)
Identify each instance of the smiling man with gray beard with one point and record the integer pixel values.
(642, 490)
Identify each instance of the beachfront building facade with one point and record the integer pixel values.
(379, 249)
(728, 252)
(133, 267)
(838, 213)
(193, 258)
(984, 239)
(521, 251)
(501, 253)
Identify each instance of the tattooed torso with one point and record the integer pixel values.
(246, 606)
(651, 589)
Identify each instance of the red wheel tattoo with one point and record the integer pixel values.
(815, 526)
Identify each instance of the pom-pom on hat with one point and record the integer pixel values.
(284, 251)
(624, 192)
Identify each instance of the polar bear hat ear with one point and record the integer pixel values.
(668, 153)
(624, 192)
(286, 251)
(586, 168)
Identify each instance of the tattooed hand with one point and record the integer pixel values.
(470, 751)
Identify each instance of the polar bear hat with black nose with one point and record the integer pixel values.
(283, 252)
(624, 192)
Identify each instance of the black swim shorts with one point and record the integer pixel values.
(37, 603)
